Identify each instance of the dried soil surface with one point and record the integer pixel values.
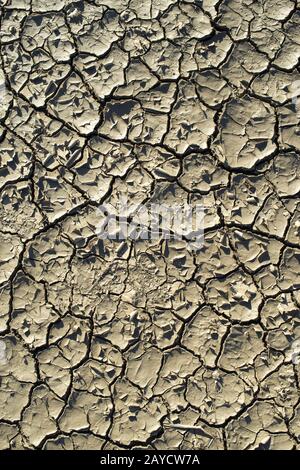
(108, 344)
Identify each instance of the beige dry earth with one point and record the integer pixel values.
(109, 344)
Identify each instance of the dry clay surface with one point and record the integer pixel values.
(109, 344)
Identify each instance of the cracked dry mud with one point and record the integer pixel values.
(145, 344)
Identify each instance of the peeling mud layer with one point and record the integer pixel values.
(109, 344)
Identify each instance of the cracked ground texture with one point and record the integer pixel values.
(145, 344)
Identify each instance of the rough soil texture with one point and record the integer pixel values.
(144, 344)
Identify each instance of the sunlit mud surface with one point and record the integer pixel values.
(109, 344)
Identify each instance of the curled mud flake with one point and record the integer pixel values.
(235, 296)
(191, 123)
(247, 133)
(75, 106)
(218, 395)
